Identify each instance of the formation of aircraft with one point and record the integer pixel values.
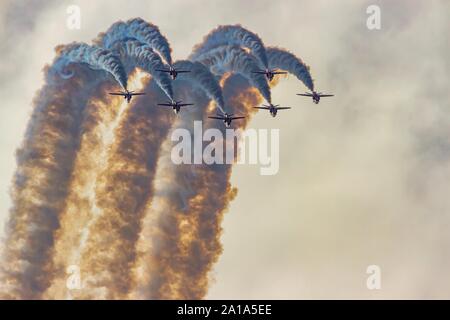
(127, 95)
(227, 118)
(173, 72)
(315, 96)
(269, 73)
(273, 109)
(176, 105)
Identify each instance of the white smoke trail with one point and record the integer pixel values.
(232, 35)
(283, 59)
(235, 59)
(202, 77)
(140, 30)
(95, 57)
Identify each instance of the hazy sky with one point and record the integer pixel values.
(364, 176)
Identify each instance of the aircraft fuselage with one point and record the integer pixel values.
(173, 74)
(316, 99)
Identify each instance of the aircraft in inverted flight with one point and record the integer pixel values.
(227, 118)
(269, 73)
(315, 96)
(176, 105)
(127, 95)
(273, 109)
(173, 72)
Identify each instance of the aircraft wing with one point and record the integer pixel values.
(116, 94)
(183, 71)
(234, 118)
(185, 104)
(279, 72)
(327, 95)
(305, 94)
(263, 108)
(165, 104)
(283, 108)
(213, 117)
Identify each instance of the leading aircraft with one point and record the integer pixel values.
(269, 73)
(127, 95)
(226, 118)
(273, 109)
(315, 96)
(176, 105)
(173, 72)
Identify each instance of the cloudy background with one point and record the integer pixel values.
(364, 176)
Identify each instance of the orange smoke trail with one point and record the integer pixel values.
(44, 165)
(122, 191)
(213, 195)
(101, 112)
(167, 225)
(184, 222)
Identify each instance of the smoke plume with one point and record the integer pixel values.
(283, 59)
(135, 54)
(95, 57)
(40, 185)
(122, 191)
(95, 185)
(235, 59)
(203, 78)
(102, 112)
(185, 219)
(232, 36)
(140, 30)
